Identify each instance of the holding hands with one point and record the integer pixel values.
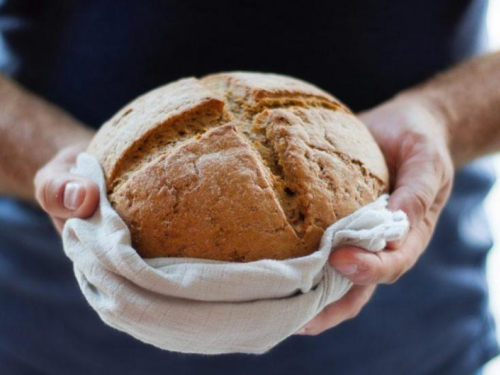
(414, 138)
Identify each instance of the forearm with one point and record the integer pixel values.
(467, 98)
(31, 132)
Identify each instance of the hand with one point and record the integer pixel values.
(64, 195)
(414, 139)
(348, 307)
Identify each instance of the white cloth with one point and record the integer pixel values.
(211, 307)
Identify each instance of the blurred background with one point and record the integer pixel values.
(492, 204)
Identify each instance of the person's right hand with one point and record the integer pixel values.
(64, 195)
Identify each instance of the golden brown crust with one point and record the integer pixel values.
(216, 202)
(158, 111)
(248, 93)
(236, 167)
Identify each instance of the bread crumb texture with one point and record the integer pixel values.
(236, 167)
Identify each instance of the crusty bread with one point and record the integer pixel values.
(236, 167)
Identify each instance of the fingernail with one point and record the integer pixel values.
(347, 269)
(74, 194)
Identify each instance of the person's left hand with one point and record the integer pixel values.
(413, 137)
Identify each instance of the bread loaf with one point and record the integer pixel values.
(236, 167)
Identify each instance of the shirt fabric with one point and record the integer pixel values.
(91, 57)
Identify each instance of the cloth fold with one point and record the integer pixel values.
(204, 306)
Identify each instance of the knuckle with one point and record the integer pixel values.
(415, 200)
(413, 141)
(416, 137)
(41, 193)
(43, 183)
(373, 275)
(419, 141)
(437, 155)
(421, 200)
(50, 193)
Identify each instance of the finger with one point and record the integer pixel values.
(337, 312)
(435, 210)
(62, 194)
(65, 195)
(363, 267)
(385, 267)
(418, 181)
(396, 244)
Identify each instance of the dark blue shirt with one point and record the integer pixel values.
(91, 57)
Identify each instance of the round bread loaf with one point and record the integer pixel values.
(236, 166)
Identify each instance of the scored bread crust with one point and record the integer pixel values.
(236, 166)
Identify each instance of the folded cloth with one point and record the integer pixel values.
(205, 306)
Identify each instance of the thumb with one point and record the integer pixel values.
(62, 194)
